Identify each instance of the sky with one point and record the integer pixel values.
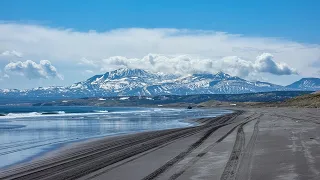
(57, 43)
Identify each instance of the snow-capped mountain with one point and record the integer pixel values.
(137, 82)
(140, 82)
(306, 84)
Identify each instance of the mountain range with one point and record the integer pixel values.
(138, 82)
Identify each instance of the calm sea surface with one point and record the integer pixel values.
(29, 132)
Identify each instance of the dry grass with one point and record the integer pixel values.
(307, 101)
(310, 100)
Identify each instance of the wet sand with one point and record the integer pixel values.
(257, 143)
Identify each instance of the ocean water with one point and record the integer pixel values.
(29, 132)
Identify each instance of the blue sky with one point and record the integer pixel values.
(275, 27)
(291, 19)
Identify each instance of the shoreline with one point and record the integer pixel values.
(257, 143)
(65, 149)
(195, 122)
(55, 148)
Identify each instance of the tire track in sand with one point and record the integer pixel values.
(244, 170)
(231, 168)
(192, 147)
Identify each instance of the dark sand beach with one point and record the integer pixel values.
(252, 143)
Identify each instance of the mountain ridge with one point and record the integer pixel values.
(306, 83)
(138, 82)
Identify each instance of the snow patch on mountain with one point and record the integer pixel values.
(137, 82)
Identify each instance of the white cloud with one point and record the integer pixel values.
(12, 53)
(3, 76)
(235, 66)
(89, 71)
(184, 64)
(181, 50)
(265, 63)
(32, 70)
(180, 64)
(316, 63)
(88, 62)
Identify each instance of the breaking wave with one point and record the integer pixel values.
(101, 111)
(53, 113)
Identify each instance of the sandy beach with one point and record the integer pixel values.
(257, 143)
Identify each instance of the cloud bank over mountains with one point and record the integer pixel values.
(180, 51)
(185, 64)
